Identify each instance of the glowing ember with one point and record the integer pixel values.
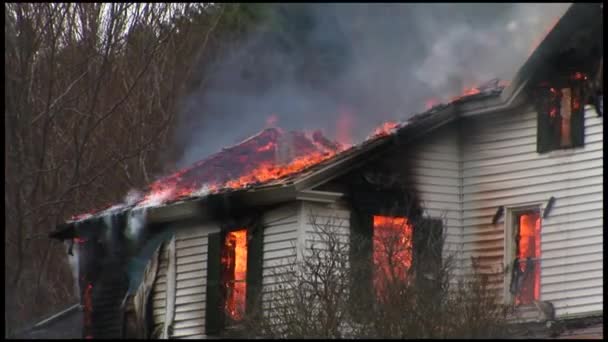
(529, 247)
(79, 240)
(234, 273)
(88, 306)
(392, 251)
(466, 92)
(385, 129)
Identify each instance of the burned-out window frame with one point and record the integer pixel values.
(215, 316)
(548, 100)
(510, 251)
(367, 203)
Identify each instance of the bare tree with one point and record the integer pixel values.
(91, 91)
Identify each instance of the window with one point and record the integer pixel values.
(234, 275)
(560, 114)
(524, 255)
(392, 251)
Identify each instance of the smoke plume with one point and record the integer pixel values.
(345, 68)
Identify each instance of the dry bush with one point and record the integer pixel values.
(312, 298)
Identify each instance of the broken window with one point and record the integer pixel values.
(561, 113)
(392, 251)
(525, 278)
(234, 274)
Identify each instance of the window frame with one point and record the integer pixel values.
(215, 317)
(510, 222)
(549, 129)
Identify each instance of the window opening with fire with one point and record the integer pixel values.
(525, 281)
(234, 274)
(560, 106)
(392, 251)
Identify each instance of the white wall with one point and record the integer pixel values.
(279, 251)
(190, 282)
(502, 168)
(437, 177)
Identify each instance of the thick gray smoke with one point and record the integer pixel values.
(345, 68)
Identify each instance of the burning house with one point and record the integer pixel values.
(512, 175)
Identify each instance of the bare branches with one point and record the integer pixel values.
(90, 95)
(312, 298)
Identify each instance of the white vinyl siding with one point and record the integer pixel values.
(436, 174)
(279, 252)
(502, 168)
(188, 319)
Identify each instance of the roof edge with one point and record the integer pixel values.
(514, 97)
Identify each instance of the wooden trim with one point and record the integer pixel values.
(171, 285)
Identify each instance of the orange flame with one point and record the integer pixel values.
(384, 129)
(234, 261)
(466, 92)
(269, 171)
(529, 247)
(392, 250)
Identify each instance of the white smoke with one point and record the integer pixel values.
(136, 222)
(132, 197)
(73, 260)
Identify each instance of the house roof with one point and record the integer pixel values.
(226, 171)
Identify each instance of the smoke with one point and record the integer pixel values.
(73, 260)
(345, 68)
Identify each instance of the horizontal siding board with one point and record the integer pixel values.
(570, 269)
(198, 258)
(196, 266)
(190, 315)
(198, 330)
(579, 309)
(197, 250)
(189, 324)
(578, 157)
(533, 181)
(540, 197)
(564, 259)
(198, 242)
(190, 303)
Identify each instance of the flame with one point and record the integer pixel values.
(384, 129)
(269, 171)
(234, 261)
(529, 246)
(392, 250)
(344, 128)
(79, 240)
(466, 92)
